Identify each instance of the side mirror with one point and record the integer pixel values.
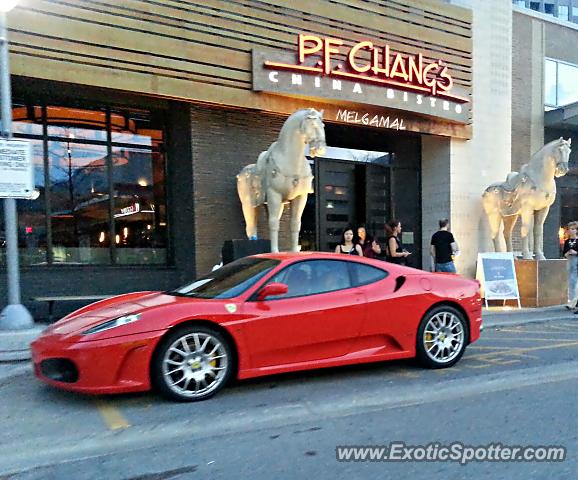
(272, 289)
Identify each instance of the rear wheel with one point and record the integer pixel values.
(441, 337)
(191, 364)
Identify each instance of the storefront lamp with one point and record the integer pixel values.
(7, 5)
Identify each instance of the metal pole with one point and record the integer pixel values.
(14, 316)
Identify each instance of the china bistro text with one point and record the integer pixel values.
(374, 64)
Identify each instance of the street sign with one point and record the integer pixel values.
(16, 169)
(497, 275)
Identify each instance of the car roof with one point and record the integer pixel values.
(311, 255)
(291, 255)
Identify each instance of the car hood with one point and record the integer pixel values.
(109, 309)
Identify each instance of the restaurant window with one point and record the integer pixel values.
(101, 178)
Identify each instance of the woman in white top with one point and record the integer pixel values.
(348, 244)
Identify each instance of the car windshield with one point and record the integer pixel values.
(228, 281)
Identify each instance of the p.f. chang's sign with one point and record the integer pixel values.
(363, 73)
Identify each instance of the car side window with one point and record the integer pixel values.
(330, 275)
(366, 274)
(297, 277)
(312, 277)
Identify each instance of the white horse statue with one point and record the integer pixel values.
(528, 194)
(283, 175)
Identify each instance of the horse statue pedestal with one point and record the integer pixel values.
(542, 283)
(238, 248)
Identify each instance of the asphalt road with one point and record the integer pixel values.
(517, 386)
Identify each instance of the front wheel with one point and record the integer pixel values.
(441, 337)
(191, 364)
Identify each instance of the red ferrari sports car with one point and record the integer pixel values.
(261, 315)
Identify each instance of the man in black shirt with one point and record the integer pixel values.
(443, 248)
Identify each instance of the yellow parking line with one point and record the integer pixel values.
(111, 415)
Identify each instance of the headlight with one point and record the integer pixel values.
(117, 322)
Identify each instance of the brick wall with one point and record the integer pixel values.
(223, 142)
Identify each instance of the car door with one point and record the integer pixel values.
(391, 317)
(317, 318)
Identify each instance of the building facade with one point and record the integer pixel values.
(544, 104)
(141, 114)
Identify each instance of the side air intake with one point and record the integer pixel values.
(399, 281)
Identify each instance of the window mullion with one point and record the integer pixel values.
(112, 227)
(47, 189)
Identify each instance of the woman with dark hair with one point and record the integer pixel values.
(395, 252)
(368, 245)
(348, 244)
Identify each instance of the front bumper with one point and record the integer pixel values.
(114, 365)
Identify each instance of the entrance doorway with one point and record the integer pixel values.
(360, 187)
(352, 188)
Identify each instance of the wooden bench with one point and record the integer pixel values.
(66, 298)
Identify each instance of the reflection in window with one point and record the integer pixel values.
(71, 221)
(563, 12)
(550, 82)
(32, 216)
(140, 212)
(560, 83)
(79, 202)
(567, 84)
(313, 277)
(76, 123)
(26, 120)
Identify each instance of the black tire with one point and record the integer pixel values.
(197, 366)
(441, 346)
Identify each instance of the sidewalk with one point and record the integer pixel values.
(15, 351)
(506, 316)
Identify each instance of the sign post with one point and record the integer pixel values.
(18, 184)
(497, 275)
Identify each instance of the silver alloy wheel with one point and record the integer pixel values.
(195, 364)
(443, 337)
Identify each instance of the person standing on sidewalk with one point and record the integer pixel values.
(570, 252)
(443, 248)
(395, 253)
(369, 246)
(349, 243)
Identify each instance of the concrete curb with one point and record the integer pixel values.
(510, 323)
(15, 345)
(10, 371)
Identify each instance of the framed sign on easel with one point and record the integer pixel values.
(497, 276)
